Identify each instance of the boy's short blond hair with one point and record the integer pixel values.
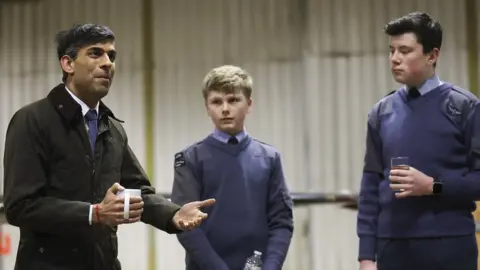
(227, 79)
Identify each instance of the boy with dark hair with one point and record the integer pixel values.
(245, 176)
(66, 157)
(422, 217)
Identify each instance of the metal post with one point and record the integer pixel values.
(148, 106)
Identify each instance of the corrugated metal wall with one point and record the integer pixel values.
(318, 67)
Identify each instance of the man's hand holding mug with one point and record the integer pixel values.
(119, 206)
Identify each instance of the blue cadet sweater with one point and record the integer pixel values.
(440, 134)
(253, 209)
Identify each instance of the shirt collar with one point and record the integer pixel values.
(427, 86)
(223, 137)
(82, 104)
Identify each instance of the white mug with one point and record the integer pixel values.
(126, 194)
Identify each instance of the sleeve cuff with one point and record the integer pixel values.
(367, 248)
(171, 227)
(450, 188)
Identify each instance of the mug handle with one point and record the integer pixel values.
(126, 206)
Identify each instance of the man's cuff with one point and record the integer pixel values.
(171, 227)
(367, 248)
(90, 215)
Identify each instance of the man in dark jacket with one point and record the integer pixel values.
(66, 157)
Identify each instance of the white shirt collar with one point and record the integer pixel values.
(82, 104)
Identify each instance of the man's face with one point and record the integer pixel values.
(93, 69)
(409, 64)
(228, 111)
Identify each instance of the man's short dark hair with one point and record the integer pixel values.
(426, 29)
(70, 41)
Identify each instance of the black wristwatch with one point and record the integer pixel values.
(437, 187)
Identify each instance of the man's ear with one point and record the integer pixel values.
(67, 64)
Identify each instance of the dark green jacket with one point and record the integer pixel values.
(51, 179)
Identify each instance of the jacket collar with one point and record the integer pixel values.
(69, 108)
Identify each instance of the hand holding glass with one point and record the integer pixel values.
(399, 163)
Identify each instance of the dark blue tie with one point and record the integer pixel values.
(413, 93)
(233, 140)
(92, 121)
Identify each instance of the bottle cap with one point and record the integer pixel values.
(257, 252)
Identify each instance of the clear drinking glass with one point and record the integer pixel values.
(400, 163)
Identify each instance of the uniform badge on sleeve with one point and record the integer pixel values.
(179, 159)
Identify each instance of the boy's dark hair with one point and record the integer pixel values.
(71, 40)
(426, 29)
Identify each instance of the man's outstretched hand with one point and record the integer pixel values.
(190, 216)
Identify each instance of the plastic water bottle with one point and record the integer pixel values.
(254, 262)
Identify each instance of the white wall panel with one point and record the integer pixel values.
(318, 68)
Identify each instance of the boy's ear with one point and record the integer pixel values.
(250, 102)
(206, 108)
(433, 56)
